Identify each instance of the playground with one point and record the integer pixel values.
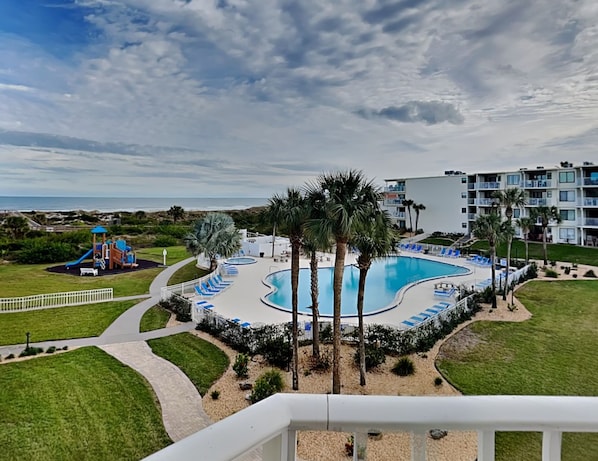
(105, 257)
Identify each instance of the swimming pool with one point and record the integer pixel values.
(385, 278)
(241, 260)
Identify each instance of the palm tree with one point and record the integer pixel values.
(489, 227)
(418, 207)
(291, 212)
(372, 239)
(274, 214)
(350, 199)
(525, 224)
(546, 215)
(214, 235)
(16, 226)
(509, 198)
(176, 212)
(408, 203)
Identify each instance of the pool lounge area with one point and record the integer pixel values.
(243, 299)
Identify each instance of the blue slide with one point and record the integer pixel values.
(80, 260)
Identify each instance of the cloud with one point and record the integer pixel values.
(428, 112)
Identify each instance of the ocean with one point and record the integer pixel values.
(111, 204)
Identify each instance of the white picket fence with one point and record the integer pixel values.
(49, 300)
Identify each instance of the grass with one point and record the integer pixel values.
(186, 273)
(81, 405)
(556, 251)
(200, 360)
(61, 322)
(154, 318)
(32, 279)
(174, 254)
(560, 360)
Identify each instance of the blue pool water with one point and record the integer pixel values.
(241, 260)
(385, 278)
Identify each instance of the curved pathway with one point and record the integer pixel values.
(180, 402)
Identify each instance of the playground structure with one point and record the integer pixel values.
(106, 253)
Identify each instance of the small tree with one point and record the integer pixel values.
(176, 212)
(214, 235)
(418, 207)
(525, 224)
(546, 215)
(408, 203)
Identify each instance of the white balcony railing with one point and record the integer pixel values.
(488, 185)
(486, 201)
(590, 182)
(273, 423)
(537, 201)
(591, 222)
(590, 202)
(538, 183)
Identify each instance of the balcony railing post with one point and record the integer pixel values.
(418, 446)
(551, 445)
(486, 441)
(283, 447)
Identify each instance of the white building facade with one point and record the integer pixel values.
(454, 201)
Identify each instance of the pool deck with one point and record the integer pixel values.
(243, 299)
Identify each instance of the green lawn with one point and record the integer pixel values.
(154, 318)
(200, 360)
(33, 279)
(437, 241)
(556, 252)
(554, 353)
(186, 273)
(61, 322)
(174, 254)
(80, 405)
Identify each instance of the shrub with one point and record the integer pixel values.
(574, 276)
(532, 272)
(438, 381)
(165, 241)
(10, 356)
(486, 295)
(179, 306)
(51, 350)
(404, 367)
(374, 356)
(269, 383)
(41, 250)
(321, 363)
(590, 273)
(551, 273)
(215, 394)
(567, 270)
(326, 334)
(240, 367)
(29, 351)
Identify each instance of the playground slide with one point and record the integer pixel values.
(81, 259)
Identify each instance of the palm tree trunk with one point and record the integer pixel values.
(295, 315)
(410, 220)
(315, 325)
(526, 250)
(509, 243)
(360, 295)
(416, 222)
(544, 232)
(493, 247)
(339, 268)
(273, 238)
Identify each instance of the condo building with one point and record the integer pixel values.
(454, 201)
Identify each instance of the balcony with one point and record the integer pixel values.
(488, 185)
(471, 185)
(472, 216)
(590, 202)
(485, 201)
(272, 424)
(591, 222)
(399, 188)
(538, 184)
(537, 202)
(590, 181)
(393, 201)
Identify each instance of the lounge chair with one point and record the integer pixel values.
(442, 252)
(456, 254)
(445, 293)
(449, 253)
(236, 320)
(409, 323)
(221, 281)
(205, 287)
(443, 305)
(215, 286)
(201, 292)
(418, 249)
(432, 311)
(246, 324)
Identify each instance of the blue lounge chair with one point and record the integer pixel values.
(409, 323)
(442, 305)
(205, 306)
(442, 252)
(456, 254)
(215, 286)
(201, 292)
(418, 249)
(236, 320)
(449, 253)
(433, 311)
(206, 288)
(221, 281)
(246, 324)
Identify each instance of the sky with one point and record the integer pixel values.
(230, 98)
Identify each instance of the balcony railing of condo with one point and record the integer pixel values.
(590, 202)
(488, 185)
(272, 424)
(538, 183)
(590, 181)
(537, 202)
(591, 221)
(393, 201)
(485, 201)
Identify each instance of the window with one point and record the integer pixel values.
(567, 215)
(566, 176)
(463, 194)
(463, 180)
(567, 233)
(516, 213)
(567, 196)
(513, 179)
(464, 225)
(463, 210)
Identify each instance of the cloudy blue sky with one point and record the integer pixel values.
(243, 98)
